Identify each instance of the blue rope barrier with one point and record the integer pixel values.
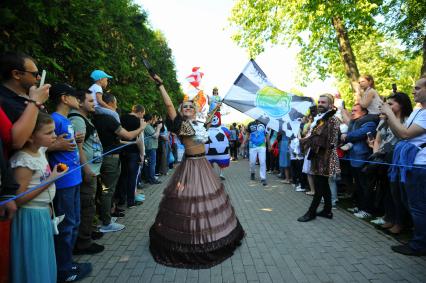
(122, 146)
(384, 163)
(57, 178)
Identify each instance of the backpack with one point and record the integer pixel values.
(90, 129)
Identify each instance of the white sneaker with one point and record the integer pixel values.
(353, 209)
(378, 221)
(112, 227)
(362, 214)
(114, 219)
(299, 189)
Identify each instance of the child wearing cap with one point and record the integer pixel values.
(67, 198)
(100, 79)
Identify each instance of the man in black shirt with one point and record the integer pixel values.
(110, 131)
(19, 76)
(130, 158)
(8, 187)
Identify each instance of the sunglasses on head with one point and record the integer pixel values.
(188, 106)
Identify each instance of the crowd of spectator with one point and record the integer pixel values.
(79, 165)
(84, 162)
(382, 159)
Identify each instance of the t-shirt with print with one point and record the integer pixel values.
(418, 117)
(41, 171)
(233, 136)
(92, 146)
(95, 88)
(151, 142)
(107, 128)
(70, 158)
(257, 133)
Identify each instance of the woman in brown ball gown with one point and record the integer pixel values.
(196, 226)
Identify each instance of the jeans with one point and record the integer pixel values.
(399, 215)
(322, 190)
(151, 155)
(110, 172)
(66, 202)
(87, 213)
(416, 195)
(129, 171)
(333, 188)
(261, 152)
(233, 148)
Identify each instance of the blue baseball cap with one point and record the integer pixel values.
(98, 74)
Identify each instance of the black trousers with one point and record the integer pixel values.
(322, 190)
(296, 171)
(364, 191)
(233, 148)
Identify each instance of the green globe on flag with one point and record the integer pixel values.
(276, 103)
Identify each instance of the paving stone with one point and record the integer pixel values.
(277, 248)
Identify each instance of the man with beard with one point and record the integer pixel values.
(90, 149)
(20, 101)
(412, 152)
(321, 142)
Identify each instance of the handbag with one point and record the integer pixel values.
(371, 168)
(55, 219)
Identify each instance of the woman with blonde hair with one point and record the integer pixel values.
(196, 225)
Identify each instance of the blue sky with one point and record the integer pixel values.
(198, 34)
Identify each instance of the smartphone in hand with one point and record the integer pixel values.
(43, 78)
(370, 136)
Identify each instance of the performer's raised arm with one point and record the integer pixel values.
(171, 111)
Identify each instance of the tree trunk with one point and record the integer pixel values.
(345, 50)
(423, 70)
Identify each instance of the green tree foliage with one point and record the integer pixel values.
(406, 19)
(71, 38)
(385, 61)
(322, 29)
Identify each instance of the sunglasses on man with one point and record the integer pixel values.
(35, 74)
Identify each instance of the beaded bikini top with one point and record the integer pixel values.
(194, 129)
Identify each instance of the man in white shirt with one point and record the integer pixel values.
(413, 131)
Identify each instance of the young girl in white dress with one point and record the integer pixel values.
(32, 247)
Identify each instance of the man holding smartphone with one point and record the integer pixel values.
(20, 101)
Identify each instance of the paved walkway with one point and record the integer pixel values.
(277, 248)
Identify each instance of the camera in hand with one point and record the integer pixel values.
(148, 67)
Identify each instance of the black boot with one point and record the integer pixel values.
(325, 214)
(307, 217)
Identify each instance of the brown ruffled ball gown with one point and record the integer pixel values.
(196, 226)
